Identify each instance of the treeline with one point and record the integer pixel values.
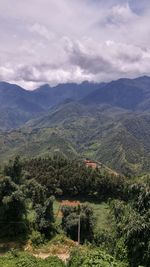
(26, 209)
(63, 177)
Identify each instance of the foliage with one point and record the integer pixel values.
(97, 258)
(26, 260)
(26, 197)
(25, 206)
(45, 218)
(12, 208)
(73, 178)
(105, 240)
(35, 192)
(133, 228)
(14, 170)
(36, 238)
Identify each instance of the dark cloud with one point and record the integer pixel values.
(89, 61)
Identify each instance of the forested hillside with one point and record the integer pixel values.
(29, 216)
(120, 139)
(105, 122)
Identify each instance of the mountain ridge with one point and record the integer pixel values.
(111, 124)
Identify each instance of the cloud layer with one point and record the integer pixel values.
(55, 41)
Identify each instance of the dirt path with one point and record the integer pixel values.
(62, 256)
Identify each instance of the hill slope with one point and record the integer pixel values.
(18, 105)
(125, 93)
(111, 124)
(118, 139)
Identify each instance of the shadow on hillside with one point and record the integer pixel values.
(88, 199)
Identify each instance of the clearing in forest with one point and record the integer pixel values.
(101, 211)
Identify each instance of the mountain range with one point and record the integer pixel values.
(18, 105)
(108, 122)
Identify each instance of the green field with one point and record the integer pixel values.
(101, 212)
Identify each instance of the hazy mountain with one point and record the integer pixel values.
(125, 93)
(108, 122)
(51, 96)
(18, 105)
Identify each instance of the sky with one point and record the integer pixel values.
(58, 41)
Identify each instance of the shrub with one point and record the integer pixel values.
(36, 238)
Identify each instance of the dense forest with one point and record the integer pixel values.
(28, 189)
(72, 178)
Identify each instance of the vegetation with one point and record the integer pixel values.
(107, 122)
(72, 178)
(15, 259)
(125, 148)
(93, 258)
(72, 217)
(27, 190)
(109, 223)
(85, 259)
(24, 204)
(132, 223)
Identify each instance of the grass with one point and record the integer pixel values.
(56, 208)
(101, 212)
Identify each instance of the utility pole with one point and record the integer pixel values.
(79, 226)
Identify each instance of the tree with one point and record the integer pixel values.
(14, 170)
(24, 203)
(12, 208)
(45, 217)
(134, 229)
(35, 192)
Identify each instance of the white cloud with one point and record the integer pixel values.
(42, 31)
(52, 41)
(120, 14)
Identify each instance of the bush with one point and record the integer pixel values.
(52, 262)
(37, 238)
(104, 240)
(95, 258)
(26, 261)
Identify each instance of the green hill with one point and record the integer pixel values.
(105, 122)
(117, 138)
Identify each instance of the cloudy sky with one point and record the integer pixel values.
(56, 41)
